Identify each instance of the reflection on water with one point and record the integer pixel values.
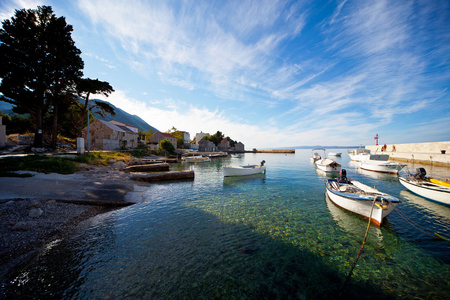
(269, 236)
(354, 224)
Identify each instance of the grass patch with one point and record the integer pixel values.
(38, 164)
(101, 158)
(60, 165)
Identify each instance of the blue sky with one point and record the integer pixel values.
(271, 73)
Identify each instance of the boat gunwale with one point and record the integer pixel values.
(430, 186)
(358, 197)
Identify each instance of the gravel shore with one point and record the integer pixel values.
(37, 210)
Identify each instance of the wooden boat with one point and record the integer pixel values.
(380, 163)
(315, 156)
(195, 159)
(244, 170)
(357, 154)
(328, 165)
(358, 198)
(237, 155)
(433, 189)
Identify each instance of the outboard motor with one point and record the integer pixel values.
(420, 173)
(263, 162)
(343, 177)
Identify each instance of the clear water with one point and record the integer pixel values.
(272, 236)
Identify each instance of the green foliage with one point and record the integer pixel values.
(215, 138)
(17, 123)
(38, 164)
(40, 64)
(167, 146)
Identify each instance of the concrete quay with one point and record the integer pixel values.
(437, 153)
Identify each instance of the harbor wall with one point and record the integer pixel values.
(426, 153)
(273, 151)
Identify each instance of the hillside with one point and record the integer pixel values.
(121, 116)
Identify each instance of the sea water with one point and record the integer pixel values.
(270, 236)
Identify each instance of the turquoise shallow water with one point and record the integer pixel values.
(265, 236)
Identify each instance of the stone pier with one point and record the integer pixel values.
(437, 153)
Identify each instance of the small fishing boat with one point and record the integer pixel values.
(328, 165)
(360, 199)
(358, 154)
(244, 170)
(237, 155)
(315, 156)
(431, 188)
(337, 154)
(380, 163)
(195, 159)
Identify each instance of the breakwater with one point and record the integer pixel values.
(273, 151)
(437, 153)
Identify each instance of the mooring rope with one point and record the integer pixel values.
(360, 250)
(424, 230)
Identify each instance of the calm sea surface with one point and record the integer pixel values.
(265, 236)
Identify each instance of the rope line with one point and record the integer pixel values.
(360, 251)
(420, 228)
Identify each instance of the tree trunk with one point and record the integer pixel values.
(38, 133)
(54, 126)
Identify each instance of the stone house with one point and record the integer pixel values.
(239, 147)
(199, 137)
(224, 145)
(106, 135)
(206, 146)
(159, 136)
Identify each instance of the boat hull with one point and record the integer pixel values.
(328, 165)
(361, 205)
(243, 170)
(391, 168)
(430, 191)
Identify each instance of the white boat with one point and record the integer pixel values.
(315, 156)
(328, 165)
(434, 189)
(338, 154)
(380, 163)
(237, 155)
(358, 154)
(358, 198)
(196, 159)
(244, 170)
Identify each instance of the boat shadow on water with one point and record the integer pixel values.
(235, 180)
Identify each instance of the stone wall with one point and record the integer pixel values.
(435, 147)
(427, 153)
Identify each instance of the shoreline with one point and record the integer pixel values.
(40, 210)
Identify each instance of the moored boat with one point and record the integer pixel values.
(430, 188)
(358, 154)
(328, 165)
(244, 170)
(360, 198)
(380, 163)
(315, 156)
(237, 155)
(337, 154)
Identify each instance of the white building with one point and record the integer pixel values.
(199, 136)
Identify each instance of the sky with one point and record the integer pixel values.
(271, 73)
